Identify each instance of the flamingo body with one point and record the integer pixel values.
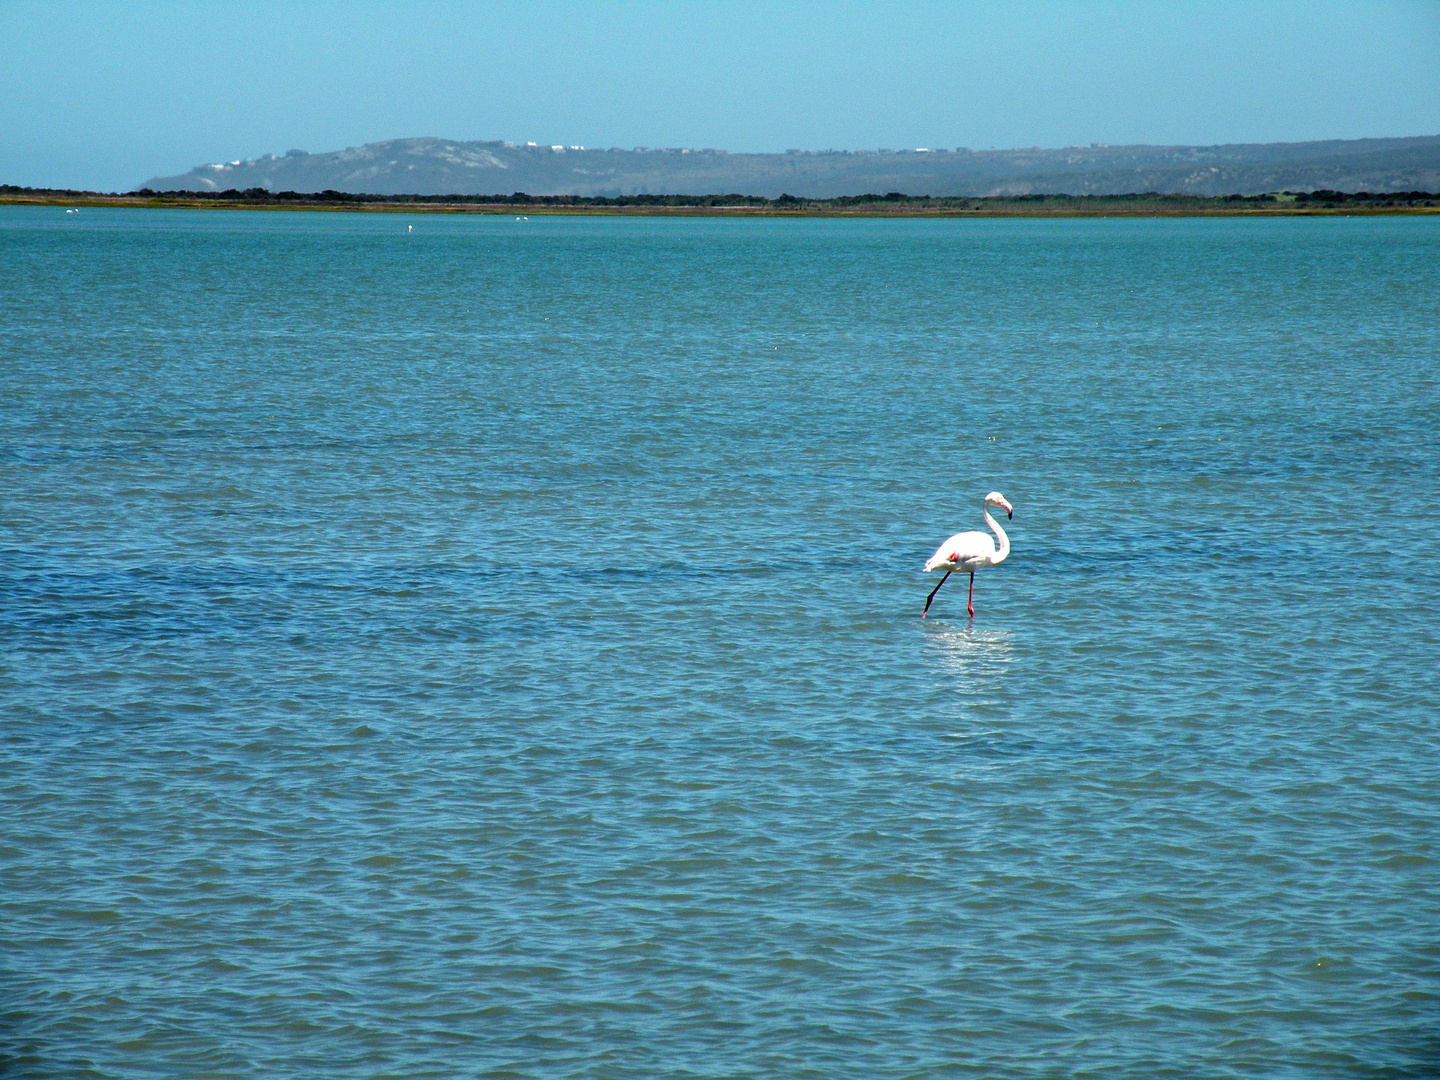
(964, 551)
(971, 551)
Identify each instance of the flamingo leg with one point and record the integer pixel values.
(934, 591)
(970, 604)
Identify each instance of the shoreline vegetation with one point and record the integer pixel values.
(892, 204)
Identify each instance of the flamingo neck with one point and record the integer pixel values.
(1004, 549)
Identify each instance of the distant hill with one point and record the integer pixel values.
(443, 167)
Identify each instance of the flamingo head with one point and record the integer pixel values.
(996, 499)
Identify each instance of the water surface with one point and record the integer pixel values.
(493, 650)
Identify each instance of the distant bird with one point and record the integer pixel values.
(971, 551)
(409, 228)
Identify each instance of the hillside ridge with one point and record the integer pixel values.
(435, 166)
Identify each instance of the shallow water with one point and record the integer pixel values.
(493, 650)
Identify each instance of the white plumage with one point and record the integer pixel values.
(971, 551)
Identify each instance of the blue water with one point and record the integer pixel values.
(493, 650)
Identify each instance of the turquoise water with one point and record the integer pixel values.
(493, 650)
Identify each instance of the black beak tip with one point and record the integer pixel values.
(1010, 514)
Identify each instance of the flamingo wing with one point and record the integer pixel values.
(963, 551)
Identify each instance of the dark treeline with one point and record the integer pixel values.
(1322, 197)
(1149, 201)
(893, 198)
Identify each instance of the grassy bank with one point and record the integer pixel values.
(894, 204)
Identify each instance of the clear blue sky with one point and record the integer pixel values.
(107, 95)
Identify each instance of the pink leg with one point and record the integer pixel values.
(971, 602)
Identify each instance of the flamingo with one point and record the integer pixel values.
(970, 551)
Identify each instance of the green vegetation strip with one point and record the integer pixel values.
(894, 204)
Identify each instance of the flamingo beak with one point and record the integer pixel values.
(1010, 513)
